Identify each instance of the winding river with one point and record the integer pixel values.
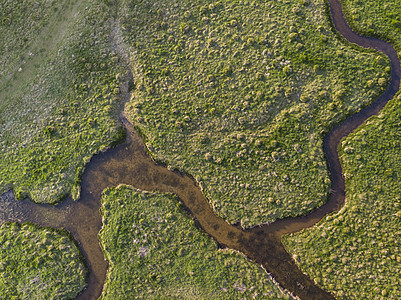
(130, 164)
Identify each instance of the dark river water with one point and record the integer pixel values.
(130, 164)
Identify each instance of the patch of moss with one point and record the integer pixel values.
(39, 263)
(156, 251)
(60, 105)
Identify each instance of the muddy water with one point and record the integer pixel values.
(130, 164)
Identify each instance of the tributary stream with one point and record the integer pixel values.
(130, 164)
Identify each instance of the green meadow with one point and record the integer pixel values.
(239, 94)
(59, 92)
(156, 251)
(39, 263)
(360, 245)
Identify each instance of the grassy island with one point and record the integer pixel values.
(39, 263)
(156, 251)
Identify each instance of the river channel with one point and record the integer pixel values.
(130, 164)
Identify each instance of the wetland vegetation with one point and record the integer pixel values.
(373, 18)
(239, 94)
(156, 251)
(59, 94)
(359, 246)
(39, 263)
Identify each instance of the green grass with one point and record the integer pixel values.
(376, 18)
(239, 94)
(20, 24)
(156, 251)
(61, 108)
(360, 245)
(39, 263)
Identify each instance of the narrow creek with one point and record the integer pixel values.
(130, 164)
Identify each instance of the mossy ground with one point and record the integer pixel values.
(156, 251)
(59, 97)
(360, 245)
(59, 94)
(39, 263)
(376, 18)
(239, 94)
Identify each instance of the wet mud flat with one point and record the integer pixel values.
(131, 164)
